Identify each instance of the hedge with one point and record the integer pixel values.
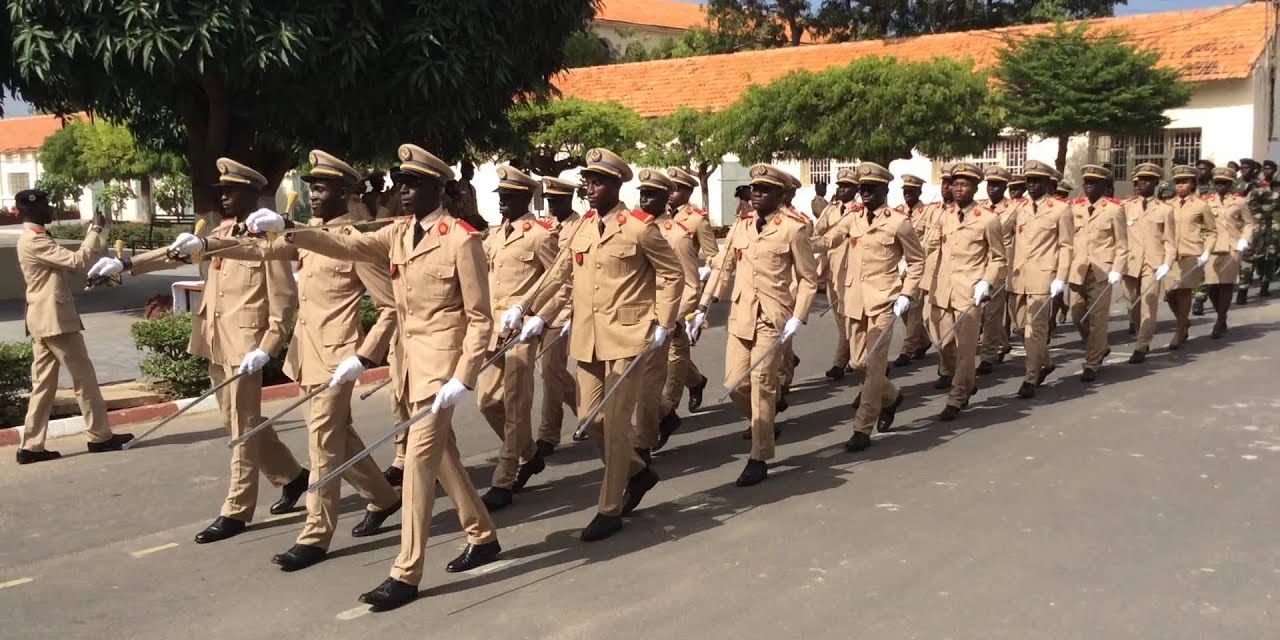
(134, 234)
(15, 381)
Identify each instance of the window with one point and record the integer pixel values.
(1165, 148)
(19, 182)
(1009, 152)
(820, 171)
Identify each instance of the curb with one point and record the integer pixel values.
(63, 427)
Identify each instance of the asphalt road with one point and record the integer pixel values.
(1140, 507)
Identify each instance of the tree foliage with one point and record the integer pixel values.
(688, 139)
(1070, 81)
(84, 153)
(551, 136)
(872, 109)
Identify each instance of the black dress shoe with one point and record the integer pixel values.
(1242, 296)
(1133, 329)
(527, 470)
(580, 434)
(781, 405)
(666, 427)
(1044, 373)
(299, 556)
(391, 594)
(949, 413)
(695, 395)
(857, 442)
(902, 360)
(372, 522)
(637, 486)
(943, 382)
(394, 475)
(1138, 357)
(1027, 391)
(1219, 330)
(475, 555)
(28, 457)
(645, 454)
(754, 473)
(848, 369)
(221, 529)
(920, 353)
(1089, 375)
(835, 373)
(795, 361)
(496, 498)
(601, 527)
(115, 443)
(884, 423)
(1264, 289)
(291, 493)
(544, 448)
(985, 367)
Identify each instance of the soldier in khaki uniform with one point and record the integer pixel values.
(242, 322)
(916, 341)
(768, 257)
(330, 350)
(682, 372)
(625, 284)
(1100, 254)
(519, 251)
(995, 343)
(971, 256)
(1064, 188)
(54, 327)
(932, 228)
(1042, 250)
(845, 205)
(692, 217)
(1235, 227)
(789, 359)
(557, 385)
(1197, 234)
(874, 241)
(1151, 254)
(1017, 186)
(437, 269)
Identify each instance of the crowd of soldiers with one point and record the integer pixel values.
(625, 294)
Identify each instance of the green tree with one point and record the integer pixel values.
(551, 136)
(265, 81)
(586, 49)
(688, 139)
(1070, 81)
(871, 109)
(173, 194)
(769, 23)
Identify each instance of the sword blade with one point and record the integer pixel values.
(582, 424)
(547, 347)
(734, 385)
(276, 418)
(131, 443)
(367, 394)
(353, 460)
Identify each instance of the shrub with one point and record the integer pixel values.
(15, 381)
(136, 235)
(165, 338)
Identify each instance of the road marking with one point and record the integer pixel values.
(147, 552)
(355, 612)
(15, 583)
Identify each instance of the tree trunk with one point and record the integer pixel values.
(1061, 161)
(148, 201)
(704, 172)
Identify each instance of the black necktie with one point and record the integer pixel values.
(508, 229)
(1035, 207)
(760, 220)
(1144, 204)
(418, 232)
(871, 217)
(1090, 209)
(960, 212)
(600, 224)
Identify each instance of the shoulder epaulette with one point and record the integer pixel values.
(37, 230)
(857, 206)
(590, 214)
(796, 215)
(471, 231)
(544, 223)
(1207, 198)
(697, 211)
(686, 229)
(642, 216)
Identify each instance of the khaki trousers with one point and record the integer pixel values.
(400, 413)
(1144, 299)
(877, 391)
(916, 338)
(505, 396)
(331, 441)
(1094, 328)
(757, 395)
(653, 375)
(48, 355)
(241, 405)
(1035, 310)
(836, 298)
(557, 385)
(431, 455)
(958, 357)
(995, 327)
(681, 371)
(612, 429)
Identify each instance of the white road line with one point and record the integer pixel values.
(355, 612)
(147, 552)
(15, 583)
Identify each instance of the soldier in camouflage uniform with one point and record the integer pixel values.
(1263, 199)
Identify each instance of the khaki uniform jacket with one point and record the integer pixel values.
(1007, 209)
(929, 228)
(1231, 221)
(1195, 224)
(47, 267)
(968, 251)
(830, 218)
(1151, 234)
(1043, 244)
(561, 234)
(328, 329)
(871, 254)
(1101, 239)
(763, 268)
(621, 282)
(704, 239)
(441, 294)
(681, 239)
(246, 304)
(516, 263)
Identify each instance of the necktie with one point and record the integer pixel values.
(600, 224)
(508, 229)
(1090, 209)
(760, 220)
(418, 232)
(960, 213)
(1035, 207)
(1144, 204)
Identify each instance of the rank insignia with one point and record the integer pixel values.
(527, 225)
(621, 218)
(442, 228)
(394, 271)
(577, 257)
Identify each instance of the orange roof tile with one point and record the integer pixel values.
(28, 132)
(653, 13)
(1206, 44)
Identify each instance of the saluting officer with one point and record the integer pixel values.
(557, 385)
(685, 372)
(1042, 251)
(1152, 250)
(1235, 227)
(1101, 253)
(995, 344)
(54, 328)
(1197, 233)
(768, 257)
(916, 341)
(846, 204)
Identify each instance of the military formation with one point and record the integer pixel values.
(625, 294)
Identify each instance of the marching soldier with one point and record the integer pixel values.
(874, 240)
(685, 372)
(932, 225)
(329, 351)
(1196, 235)
(789, 359)
(625, 284)
(1101, 252)
(241, 323)
(1235, 228)
(995, 343)
(54, 328)
(557, 385)
(846, 204)
(1042, 252)
(916, 342)
(1064, 189)
(768, 256)
(1260, 200)
(1017, 186)
(1152, 250)
(971, 255)
(437, 270)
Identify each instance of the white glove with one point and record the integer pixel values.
(1113, 277)
(532, 328)
(658, 338)
(704, 273)
(254, 361)
(1242, 245)
(1056, 287)
(693, 327)
(564, 333)
(511, 319)
(1161, 272)
(186, 244)
(790, 329)
(901, 305)
(981, 291)
(107, 266)
(448, 395)
(265, 221)
(348, 371)
(1203, 259)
